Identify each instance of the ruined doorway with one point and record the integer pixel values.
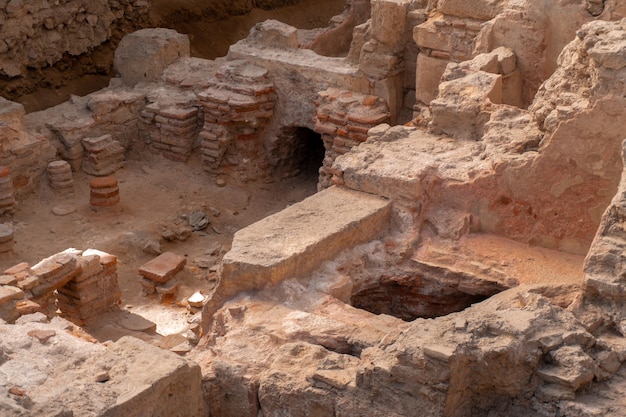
(299, 152)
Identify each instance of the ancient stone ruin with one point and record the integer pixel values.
(416, 210)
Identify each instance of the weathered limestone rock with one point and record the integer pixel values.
(144, 54)
(126, 378)
(327, 220)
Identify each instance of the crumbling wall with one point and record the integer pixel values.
(24, 153)
(82, 284)
(38, 34)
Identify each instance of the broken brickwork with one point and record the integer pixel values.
(82, 285)
(236, 106)
(343, 119)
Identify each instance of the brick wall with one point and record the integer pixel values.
(85, 284)
(343, 119)
(236, 106)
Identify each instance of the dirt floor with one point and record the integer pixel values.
(156, 194)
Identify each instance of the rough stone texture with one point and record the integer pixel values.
(333, 219)
(604, 277)
(280, 335)
(23, 153)
(144, 54)
(37, 34)
(41, 377)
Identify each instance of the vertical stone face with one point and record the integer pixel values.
(38, 34)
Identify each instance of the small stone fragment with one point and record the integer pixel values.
(42, 335)
(198, 220)
(63, 209)
(197, 300)
(102, 377)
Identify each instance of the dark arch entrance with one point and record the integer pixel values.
(300, 152)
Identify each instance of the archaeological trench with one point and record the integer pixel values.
(416, 208)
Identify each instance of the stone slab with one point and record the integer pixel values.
(163, 267)
(298, 239)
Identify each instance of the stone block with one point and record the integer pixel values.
(162, 268)
(427, 77)
(476, 9)
(9, 293)
(333, 219)
(275, 34)
(388, 22)
(144, 54)
(428, 35)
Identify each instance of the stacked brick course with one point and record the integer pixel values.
(93, 291)
(103, 192)
(60, 177)
(343, 119)
(157, 275)
(7, 201)
(237, 105)
(86, 285)
(103, 155)
(170, 129)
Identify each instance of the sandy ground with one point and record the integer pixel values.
(155, 193)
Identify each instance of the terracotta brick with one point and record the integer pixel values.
(163, 267)
(359, 137)
(21, 267)
(342, 132)
(325, 128)
(103, 182)
(369, 119)
(10, 293)
(27, 307)
(359, 129)
(338, 120)
(370, 100)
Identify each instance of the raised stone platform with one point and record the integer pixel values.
(298, 239)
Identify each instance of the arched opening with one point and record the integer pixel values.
(299, 152)
(309, 152)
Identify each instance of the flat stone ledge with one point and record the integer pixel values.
(298, 239)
